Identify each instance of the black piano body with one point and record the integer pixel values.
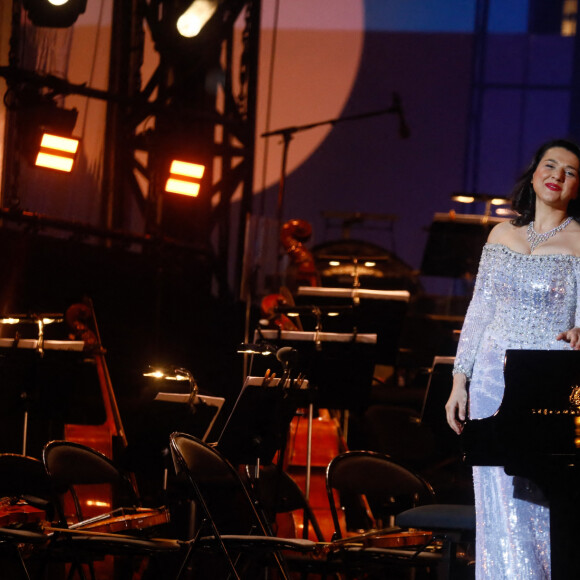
(535, 434)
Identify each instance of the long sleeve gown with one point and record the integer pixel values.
(520, 301)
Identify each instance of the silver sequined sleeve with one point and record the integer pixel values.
(577, 313)
(479, 315)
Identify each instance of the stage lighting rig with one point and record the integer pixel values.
(54, 13)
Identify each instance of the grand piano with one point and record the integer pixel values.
(535, 434)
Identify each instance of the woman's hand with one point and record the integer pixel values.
(456, 406)
(572, 337)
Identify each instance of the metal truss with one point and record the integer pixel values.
(200, 100)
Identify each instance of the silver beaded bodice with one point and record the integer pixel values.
(519, 301)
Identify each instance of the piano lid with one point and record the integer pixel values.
(539, 416)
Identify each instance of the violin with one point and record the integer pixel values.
(20, 513)
(125, 520)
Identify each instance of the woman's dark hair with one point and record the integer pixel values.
(523, 195)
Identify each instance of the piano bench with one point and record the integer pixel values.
(451, 524)
(438, 517)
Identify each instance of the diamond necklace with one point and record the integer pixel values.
(535, 239)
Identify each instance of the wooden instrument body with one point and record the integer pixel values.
(20, 514)
(326, 443)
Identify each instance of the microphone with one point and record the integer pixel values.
(404, 130)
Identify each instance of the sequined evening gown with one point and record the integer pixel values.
(520, 301)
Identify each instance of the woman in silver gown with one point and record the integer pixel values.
(526, 296)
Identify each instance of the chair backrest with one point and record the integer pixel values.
(216, 485)
(69, 465)
(367, 480)
(24, 478)
(278, 494)
(21, 475)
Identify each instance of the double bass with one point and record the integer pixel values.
(108, 436)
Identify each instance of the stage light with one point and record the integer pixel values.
(46, 133)
(57, 152)
(190, 23)
(184, 178)
(485, 198)
(463, 198)
(170, 374)
(471, 197)
(54, 13)
(264, 349)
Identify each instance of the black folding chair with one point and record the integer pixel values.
(70, 465)
(228, 523)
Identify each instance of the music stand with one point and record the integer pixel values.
(454, 244)
(380, 312)
(339, 365)
(258, 424)
(40, 394)
(204, 407)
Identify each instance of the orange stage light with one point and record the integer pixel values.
(183, 178)
(57, 152)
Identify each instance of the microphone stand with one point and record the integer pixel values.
(287, 134)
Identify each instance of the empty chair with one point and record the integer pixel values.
(373, 488)
(228, 524)
(70, 465)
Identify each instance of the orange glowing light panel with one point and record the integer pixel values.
(183, 176)
(57, 152)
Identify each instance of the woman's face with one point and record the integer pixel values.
(556, 178)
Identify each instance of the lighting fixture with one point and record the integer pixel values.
(57, 152)
(169, 374)
(489, 200)
(191, 22)
(264, 349)
(184, 178)
(54, 13)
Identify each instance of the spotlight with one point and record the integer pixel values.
(54, 13)
(57, 152)
(50, 141)
(184, 178)
(190, 23)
